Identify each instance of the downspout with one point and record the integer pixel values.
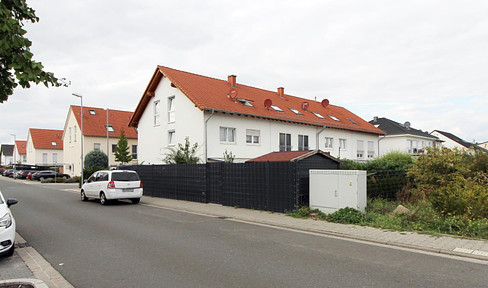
(205, 136)
(317, 137)
(381, 138)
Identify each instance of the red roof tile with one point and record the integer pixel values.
(94, 124)
(213, 94)
(21, 147)
(289, 156)
(45, 138)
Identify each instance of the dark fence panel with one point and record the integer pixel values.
(386, 184)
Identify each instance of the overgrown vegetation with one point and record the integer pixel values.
(391, 161)
(183, 154)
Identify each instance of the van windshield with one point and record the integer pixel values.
(125, 176)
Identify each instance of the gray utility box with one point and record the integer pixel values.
(331, 190)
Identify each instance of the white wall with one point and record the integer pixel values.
(399, 143)
(448, 142)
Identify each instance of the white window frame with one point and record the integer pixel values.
(225, 136)
(301, 143)
(329, 143)
(55, 158)
(69, 134)
(74, 130)
(286, 144)
(171, 109)
(44, 158)
(157, 112)
(360, 149)
(253, 137)
(171, 138)
(343, 144)
(96, 146)
(370, 149)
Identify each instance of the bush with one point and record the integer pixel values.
(346, 216)
(71, 180)
(96, 158)
(390, 161)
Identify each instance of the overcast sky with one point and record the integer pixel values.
(425, 62)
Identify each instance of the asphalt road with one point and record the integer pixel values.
(126, 245)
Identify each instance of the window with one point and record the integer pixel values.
(413, 146)
(171, 109)
(252, 136)
(329, 142)
(53, 143)
(156, 113)
(343, 144)
(92, 112)
(74, 130)
(227, 134)
(360, 149)
(171, 137)
(370, 149)
(285, 142)
(352, 121)
(114, 148)
(110, 128)
(55, 158)
(102, 176)
(318, 115)
(245, 102)
(44, 158)
(134, 151)
(296, 111)
(333, 118)
(302, 142)
(96, 146)
(276, 108)
(69, 134)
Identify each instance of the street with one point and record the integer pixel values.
(126, 245)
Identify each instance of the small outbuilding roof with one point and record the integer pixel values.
(290, 156)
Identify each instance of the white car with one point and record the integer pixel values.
(113, 185)
(7, 227)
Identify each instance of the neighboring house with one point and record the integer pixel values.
(20, 151)
(483, 145)
(7, 154)
(451, 141)
(224, 115)
(44, 147)
(402, 137)
(94, 136)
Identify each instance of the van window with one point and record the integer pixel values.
(125, 176)
(102, 176)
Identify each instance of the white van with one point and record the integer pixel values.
(112, 185)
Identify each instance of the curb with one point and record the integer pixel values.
(36, 283)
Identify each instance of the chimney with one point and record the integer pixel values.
(375, 118)
(232, 80)
(281, 92)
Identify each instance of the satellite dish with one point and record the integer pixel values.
(233, 93)
(305, 105)
(325, 103)
(407, 124)
(268, 103)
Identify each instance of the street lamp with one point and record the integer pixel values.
(81, 98)
(14, 146)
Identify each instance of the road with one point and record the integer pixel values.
(126, 245)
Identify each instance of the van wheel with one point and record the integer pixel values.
(103, 199)
(135, 200)
(83, 196)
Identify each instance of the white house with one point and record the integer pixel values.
(451, 141)
(101, 131)
(227, 116)
(20, 151)
(402, 137)
(44, 147)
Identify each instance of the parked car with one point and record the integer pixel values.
(113, 185)
(16, 174)
(8, 172)
(7, 226)
(31, 175)
(23, 174)
(41, 175)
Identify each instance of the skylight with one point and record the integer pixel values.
(54, 143)
(276, 108)
(92, 112)
(318, 115)
(296, 111)
(245, 102)
(110, 128)
(333, 117)
(352, 121)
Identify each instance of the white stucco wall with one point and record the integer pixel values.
(399, 143)
(448, 142)
(35, 156)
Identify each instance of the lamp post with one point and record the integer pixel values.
(81, 98)
(14, 146)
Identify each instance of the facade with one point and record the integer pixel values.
(225, 116)
(402, 137)
(451, 141)
(44, 147)
(7, 154)
(95, 130)
(20, 151)
(483, 145)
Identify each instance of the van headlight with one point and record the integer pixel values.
(6, 221)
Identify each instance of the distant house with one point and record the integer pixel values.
(96, 132)
(44, 147)
(452, 141)
(7, 154)
(402, 137)
(20, 151)
(223, 115)
(483, 145)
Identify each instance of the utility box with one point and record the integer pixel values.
(331, 190)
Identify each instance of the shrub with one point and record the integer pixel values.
(346, 216)
(51, 180)
(306, 212)
(390, 161)
(96, 158)
(184, 154)
(71, 180)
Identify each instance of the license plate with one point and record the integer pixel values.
(127, 190)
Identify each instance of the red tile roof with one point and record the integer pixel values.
(45, 138)
(21, 147)
(94, 124)
(213, 94)
(289, 156)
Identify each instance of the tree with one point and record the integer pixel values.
(16, 63)
(94, 161)
(122, 153)
(228, 157)
(183, 154)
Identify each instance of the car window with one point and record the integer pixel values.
(125, 176)
(92, 177)
(102, 176)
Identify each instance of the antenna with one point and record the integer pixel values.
(407, 125)
(325, 103)
(268, 103)
(305, 106)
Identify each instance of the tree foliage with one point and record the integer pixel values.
(184, 154)
(96, 158)
(390, 161)
(16, 63)
(122, 153)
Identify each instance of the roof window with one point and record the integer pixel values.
(92, 112)
(276, 108)
(352, 121)
(110, 128)
(54, 143)
(334, 118)
(318, 115)
(245, 102)
(296, 111)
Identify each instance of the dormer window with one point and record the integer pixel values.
(334, 118)
(110, 128)
(296, 111)
(352, 121)
(276, 108)
(92, 112)
(245, 102)
(318, 115)
(53, 143)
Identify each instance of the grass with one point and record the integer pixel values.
(422, 218)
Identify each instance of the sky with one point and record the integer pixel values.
(425, 62)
